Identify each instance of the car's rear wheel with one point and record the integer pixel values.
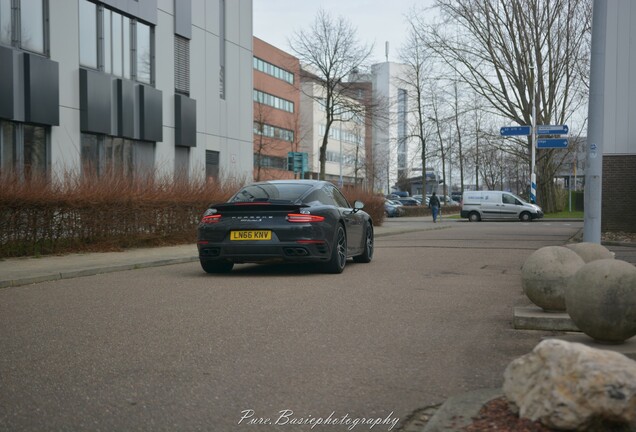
(338, 260)
(474, 217)
(218, 266)
(367, 255)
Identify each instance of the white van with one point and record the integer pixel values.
(478, 205)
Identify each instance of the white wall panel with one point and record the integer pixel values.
(619, 120)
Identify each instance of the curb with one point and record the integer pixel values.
(94, 271)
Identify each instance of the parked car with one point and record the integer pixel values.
(480, 205)
(408, 201)
(449, 201)
(391, 209)
(286, 221)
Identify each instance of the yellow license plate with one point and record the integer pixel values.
(250, 235)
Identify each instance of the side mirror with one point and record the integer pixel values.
(358, 205)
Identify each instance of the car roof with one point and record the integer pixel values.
(292, 181)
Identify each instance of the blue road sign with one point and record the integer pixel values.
(514, 130)
(553, 143)
(552, 129)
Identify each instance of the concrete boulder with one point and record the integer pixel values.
(591, 251)
(570, 386)
(545, 275)
(601, 300)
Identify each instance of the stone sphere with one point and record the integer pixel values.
(546, 273)
(601, 300)
(591, 251)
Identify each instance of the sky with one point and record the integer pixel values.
(376, 21)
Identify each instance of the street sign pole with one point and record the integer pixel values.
(533, 176)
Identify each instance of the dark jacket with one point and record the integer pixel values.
(433, 201)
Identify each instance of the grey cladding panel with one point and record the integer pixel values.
(95, 102)
(150, 113)
(6, 83)
(185, 121)
(41, 90)
(183, 18)
(126, 109)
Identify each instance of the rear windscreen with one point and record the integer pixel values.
(289, 192)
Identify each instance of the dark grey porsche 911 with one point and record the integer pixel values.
(285, 221)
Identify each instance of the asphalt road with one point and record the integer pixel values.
(174, 349)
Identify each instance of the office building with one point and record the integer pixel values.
(137, 87)
(276, 110)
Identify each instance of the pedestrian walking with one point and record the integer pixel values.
(434, 205)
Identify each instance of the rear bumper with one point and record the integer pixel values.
(253, 253)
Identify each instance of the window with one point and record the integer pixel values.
(88, 34)
(144, 57)
(5, 22)
(7, 145)
(23, 24)
(340, 200)
(275, 71)
(117, 50)
(273, 101)
(212, 164)
(106, 43)
(319, 197)
(509, 199)
(34, 148)
(106, 155)
(273, 132)
(24, 148)
(266, 161)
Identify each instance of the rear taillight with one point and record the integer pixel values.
(304, 218)
(210, 219)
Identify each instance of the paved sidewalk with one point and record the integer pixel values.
(24, 271)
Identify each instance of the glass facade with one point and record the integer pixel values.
(275, 71)
(144, 54)
(273, 101)
(22, 24)
(109, 46)
(107, 155)
(273, 132)
(32, 25)
(23, 149)
(35, 158)
(7, 146)
(88, 34)
(5, 22)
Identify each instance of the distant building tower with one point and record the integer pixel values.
(390, 133)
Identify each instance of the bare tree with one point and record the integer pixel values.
(330, 49)
(496, 44)
(415, 81)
